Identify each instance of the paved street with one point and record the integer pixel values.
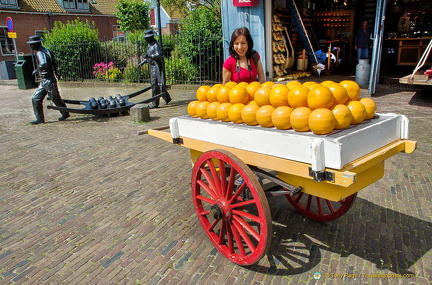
(88, 201)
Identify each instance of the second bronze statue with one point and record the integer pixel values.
(154, 58)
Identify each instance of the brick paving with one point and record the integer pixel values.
(88, 201)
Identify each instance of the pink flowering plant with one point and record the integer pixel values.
(104, 70)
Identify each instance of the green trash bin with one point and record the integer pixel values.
(23, 71)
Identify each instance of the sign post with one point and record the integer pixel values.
(9, 24)
(11, 34)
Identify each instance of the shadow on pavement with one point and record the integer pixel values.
(389, 91)
(389, 239)
(422, 98)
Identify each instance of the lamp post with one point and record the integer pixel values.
(377, 45)
(159, 26)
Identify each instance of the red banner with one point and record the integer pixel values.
(242, 3)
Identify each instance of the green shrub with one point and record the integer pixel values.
(74, 44)
(130, 73)
(121, 53)
(179, 68)
(169, 42)
(114, 74)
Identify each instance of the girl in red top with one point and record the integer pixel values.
(244, 64)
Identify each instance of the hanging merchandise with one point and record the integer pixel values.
(283, 49)
(282, 61)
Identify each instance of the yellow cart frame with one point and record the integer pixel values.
(231, 204)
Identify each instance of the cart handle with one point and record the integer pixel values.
(145, 132)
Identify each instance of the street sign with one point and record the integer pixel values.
(11, 34)
(9, 24)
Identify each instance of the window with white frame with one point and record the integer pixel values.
(81, 5)
(9, 2)
(7, 44)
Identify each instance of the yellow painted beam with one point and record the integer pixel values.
(353, 177)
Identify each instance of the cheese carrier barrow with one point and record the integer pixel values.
(319, 175)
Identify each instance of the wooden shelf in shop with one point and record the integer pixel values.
(336, 23)
(338, 26)
(410, 50)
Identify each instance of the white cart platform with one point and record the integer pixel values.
(321, 151)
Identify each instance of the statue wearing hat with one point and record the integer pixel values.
(46, 67)
(154, 57)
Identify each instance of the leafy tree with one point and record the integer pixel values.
(202, 22)
(180, 5)
(72, 32)
(186, 6)
(133, 15)
(74, 43)
(201, 37)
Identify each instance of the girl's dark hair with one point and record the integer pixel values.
(238, 32)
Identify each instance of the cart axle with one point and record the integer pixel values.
(277, 190)
(292, 190)
(216, 212)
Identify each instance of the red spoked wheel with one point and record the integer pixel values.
(231, 207)
(319, 209)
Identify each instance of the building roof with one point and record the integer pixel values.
(173, 13)
(101, 7)
(98, 7)
(104, 7)
(40, 6)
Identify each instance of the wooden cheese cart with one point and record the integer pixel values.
(319, 175)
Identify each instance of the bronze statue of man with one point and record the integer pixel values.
(154, 57)
(46, 67)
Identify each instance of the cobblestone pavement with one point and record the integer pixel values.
(88, 201)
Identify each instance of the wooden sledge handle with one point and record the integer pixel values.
(145, 132)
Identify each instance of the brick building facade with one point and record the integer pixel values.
(31, 17)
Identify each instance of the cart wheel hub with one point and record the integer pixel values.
(216, 212)
(221, 210)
